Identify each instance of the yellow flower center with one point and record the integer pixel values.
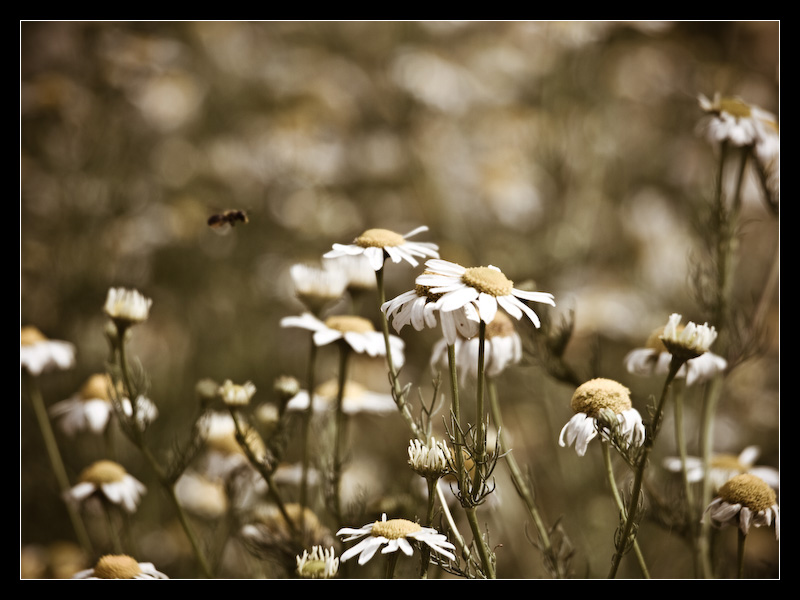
(29, 335)
(750, 491)
(488, 280)
(501, 326)
(597, 394)
(117, 567)
(728, 462)
(379, 238)
(96, 387)
(349, 323)
(394, 529)
(103, 471)
(735, 107)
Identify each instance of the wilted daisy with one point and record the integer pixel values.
(723, 467)
(126, 307)
(236, 395)
(320, 563)
(317, 287)
(431, 460)
(357, 399)
(377, 244)
(90, 408)
(357, 332)
(394, 534)
(502, 348)
(734, 121)
(267, 532)
(745, 500)
(38, 354)
(655, 359)
(594, 403)
(420, 308)
(112, 481)
(689, 341)
(485, 288)
(120, 566)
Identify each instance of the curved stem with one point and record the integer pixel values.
(612, 483)
(675, 365)
(56, 461)
(523, 489)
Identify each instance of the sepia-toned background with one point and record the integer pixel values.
(565, 153)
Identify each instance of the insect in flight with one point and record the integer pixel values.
(227, 219)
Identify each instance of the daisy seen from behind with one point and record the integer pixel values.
(485, 288)
(110, 481)
(390, 536)
(377, 244)
(120, 566)
(38, 354)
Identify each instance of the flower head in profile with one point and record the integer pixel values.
(394, 534)
(126, 307)
(745, 500)
(120, 566)
(377, 244)
(655, 359)
(236, 395)
(485, 288)
(320, 563)
(601, 404)
(267, 533)
(109, 480)
(357, 332)
(38, 354)
(732, 120)
(502, 348)
(431, 460)
(90, 408)
(357, 399)
(420, 309)
(689, 341)
(723, 467)
(317, 287)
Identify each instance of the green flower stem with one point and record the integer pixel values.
(344, 355)
(674, 366)
(305, 449)
(483, 550)
(391, 563)
(425, 551)
(710, 402)
(740, 553)
(56, 461)
(459, 539)
(523, 489)
(680, 442)
(479, 408)
(612, 483)
(397, 391)
(136, 436)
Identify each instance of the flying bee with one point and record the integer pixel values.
(227, 219)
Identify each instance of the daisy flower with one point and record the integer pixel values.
(357, 399)
(431, 460)
(120, 566)
(485, 288)
(317, 287)
(593, 402)
(90, 408)
(745, 500)
(267, 532)
(654, 359)
(395, 534)
(318, 564)
(420, 308)
(689, 341)
(357, 332)
(724, 467)
(126, 307)
(110, 480)
(502, 348)
(236, 395)
(377, 244)
(38, 354)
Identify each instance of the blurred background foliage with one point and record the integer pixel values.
(566, 153)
